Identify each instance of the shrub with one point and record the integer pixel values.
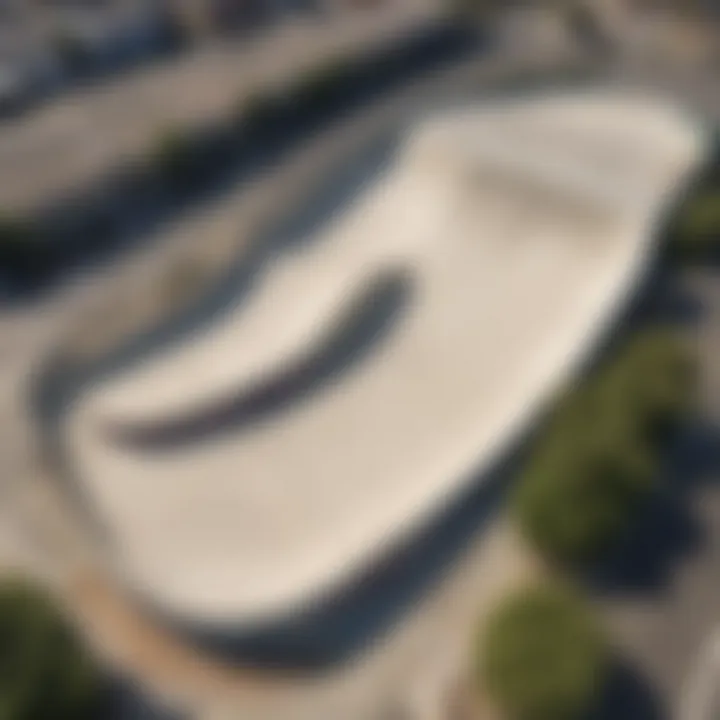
(542, 657)
(595, 462)
(44, 673)
(654, 378)
(580, 492)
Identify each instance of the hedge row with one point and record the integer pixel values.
(596, 461)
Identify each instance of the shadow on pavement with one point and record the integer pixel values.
(124, 700)
(668, 529)
(628, 696)
(366, 323)
(126, 208)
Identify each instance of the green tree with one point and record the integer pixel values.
(44, 673)
(652, 382)
(542, 656)
(580, 492)
(595, 461)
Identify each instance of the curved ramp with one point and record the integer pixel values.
(518, 229)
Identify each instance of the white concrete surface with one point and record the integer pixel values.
(521, 229)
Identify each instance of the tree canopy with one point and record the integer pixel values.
(596, 460)
(542, 657)
(45, 674)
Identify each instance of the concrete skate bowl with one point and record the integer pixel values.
(282, 481)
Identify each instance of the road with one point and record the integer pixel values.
(74, 140)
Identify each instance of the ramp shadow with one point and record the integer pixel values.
(365, 325)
